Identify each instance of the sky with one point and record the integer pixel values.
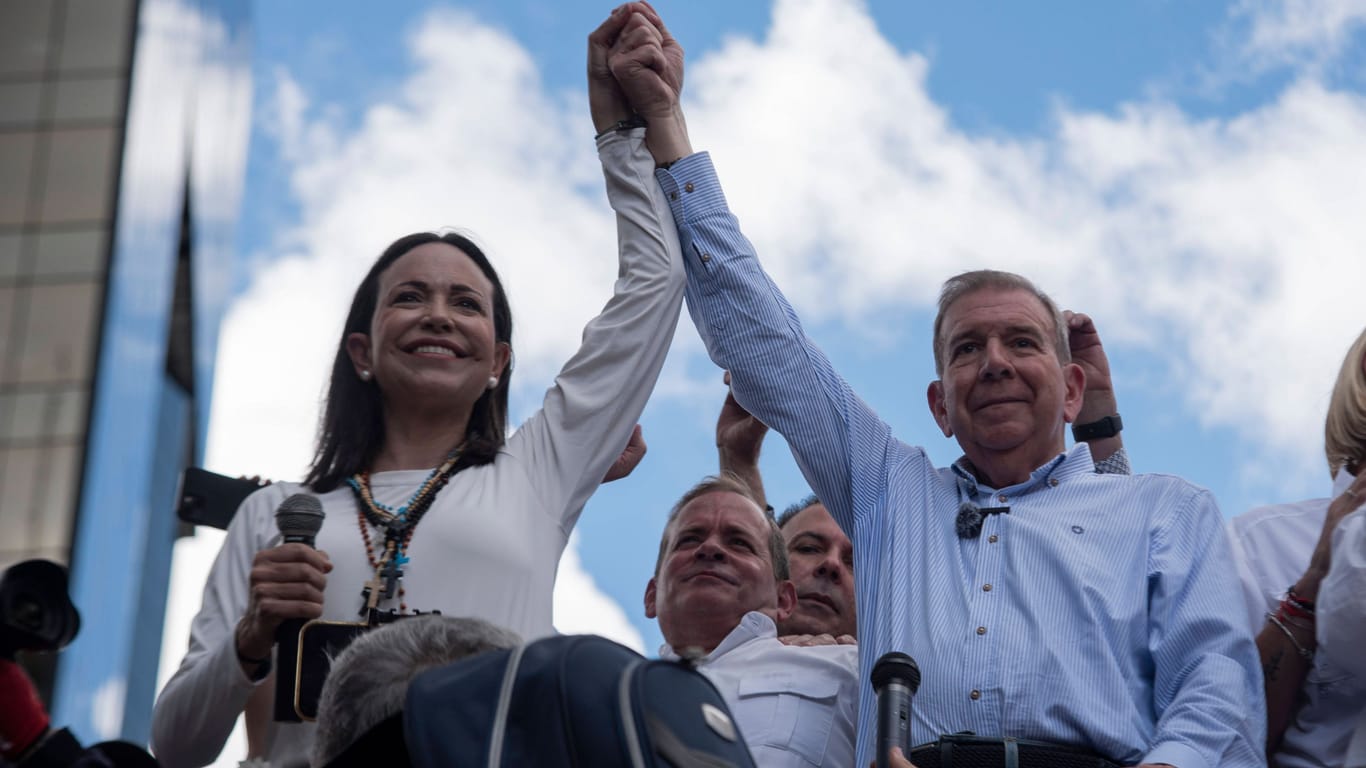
(1186, 173)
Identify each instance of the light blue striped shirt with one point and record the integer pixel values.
(1103, 611)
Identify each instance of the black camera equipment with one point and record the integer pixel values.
(36, 615)
(35, 612)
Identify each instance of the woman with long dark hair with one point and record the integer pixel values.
(428, 505)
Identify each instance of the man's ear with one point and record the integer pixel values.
(650, 599)
(787, 600)
(358, 349)
(938, 407)
(1074, 381)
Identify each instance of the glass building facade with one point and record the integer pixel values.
(123, 136)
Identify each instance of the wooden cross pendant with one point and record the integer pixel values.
(370, 594)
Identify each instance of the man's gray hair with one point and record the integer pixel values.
(959, 286)
(369, 680)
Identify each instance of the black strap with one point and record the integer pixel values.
(1108, 426)
(963, 750)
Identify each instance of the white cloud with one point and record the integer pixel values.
(1304, 33)
(1227, 250)
(106, 707)
(582, 608)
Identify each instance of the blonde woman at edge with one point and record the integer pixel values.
(1303, 567)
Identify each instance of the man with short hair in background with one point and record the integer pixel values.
(719, 590)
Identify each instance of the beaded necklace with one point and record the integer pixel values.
(398, 526)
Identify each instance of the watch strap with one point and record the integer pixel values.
(1108, 426)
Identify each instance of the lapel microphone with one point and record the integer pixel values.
(970, 517)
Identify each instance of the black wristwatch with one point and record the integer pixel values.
(1106, 427)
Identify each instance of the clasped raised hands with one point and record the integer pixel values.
(635, 67)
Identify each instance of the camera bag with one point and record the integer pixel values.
(573, 700)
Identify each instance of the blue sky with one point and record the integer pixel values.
(1185, 172)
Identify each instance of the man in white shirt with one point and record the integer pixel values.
(720, 586)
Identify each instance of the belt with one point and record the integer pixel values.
(967, 751)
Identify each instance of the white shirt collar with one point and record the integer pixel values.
(753, 625)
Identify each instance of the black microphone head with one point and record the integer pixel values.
(896, 665)
(299, 518)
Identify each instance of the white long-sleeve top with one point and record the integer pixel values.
(491, 542)
(1272, 545)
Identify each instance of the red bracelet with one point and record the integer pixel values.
(1297, 623)
(1305, 605)
(1290, 609)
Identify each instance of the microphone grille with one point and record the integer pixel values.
(299, 515)
(968, 523)
(896, 665)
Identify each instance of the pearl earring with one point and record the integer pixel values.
(493, 382)
(365, 374)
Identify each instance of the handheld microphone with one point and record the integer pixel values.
(895, 679)
(299, 519)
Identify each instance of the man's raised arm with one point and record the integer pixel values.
(749, 328)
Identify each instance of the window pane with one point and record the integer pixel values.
(79, 179)
(92, 99)
(59, 333)
(78, 253)
(16, 162)
(9, 256)
(19, 103)
(8, 296)
(56, 494)
(39, 492)
(96, 35)
(23, 35)
(42, 415)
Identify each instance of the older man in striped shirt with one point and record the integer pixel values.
(1043, 601)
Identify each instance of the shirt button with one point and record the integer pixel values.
(975, 695)
(992, 538)
(687, 187)
(986, 587)
(706, 257)
(1001, 498)
(1053, 481)
(981, 630)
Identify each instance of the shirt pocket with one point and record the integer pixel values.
(788, 712)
